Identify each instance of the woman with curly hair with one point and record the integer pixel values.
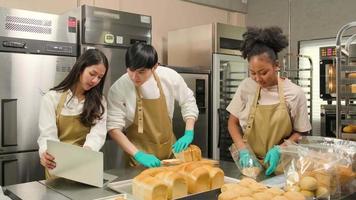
(266, 109)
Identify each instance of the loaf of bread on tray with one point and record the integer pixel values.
(177, 181)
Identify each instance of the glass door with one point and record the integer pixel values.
(228, 72)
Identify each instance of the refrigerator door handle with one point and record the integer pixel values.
(8, 122)
(8, 170)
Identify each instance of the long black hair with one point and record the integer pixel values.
(93, 108)
(141, 55)
(257, 41)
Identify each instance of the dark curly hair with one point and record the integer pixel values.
(93, 109)
(257, 41)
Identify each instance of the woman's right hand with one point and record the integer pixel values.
(47, 160)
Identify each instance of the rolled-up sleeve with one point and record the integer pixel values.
(97, 135)
(47, 123)
(116, 107)
(238, 102)
(186, 99)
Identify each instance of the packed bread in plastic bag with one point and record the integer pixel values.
(346, 153)
(253, 168)
(317, 170)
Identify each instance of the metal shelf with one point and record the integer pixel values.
(344, 65)
(301, 75)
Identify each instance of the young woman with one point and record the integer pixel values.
(75, 110)
(266, 109)
(142, 103)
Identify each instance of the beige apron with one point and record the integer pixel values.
(70, 129)
(151, 130)
(267, 125)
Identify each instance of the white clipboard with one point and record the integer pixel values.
(76, 163)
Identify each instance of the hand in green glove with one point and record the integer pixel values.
(244, 158)
(147, 160)
(184, 141)
(272, 158)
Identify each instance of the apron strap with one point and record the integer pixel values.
(60, 105)
(252, 114)
(281, 91)
(139, 102)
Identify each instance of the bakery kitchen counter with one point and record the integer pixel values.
(66, 189)
(62, 189)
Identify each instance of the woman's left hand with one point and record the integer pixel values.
(272, 158)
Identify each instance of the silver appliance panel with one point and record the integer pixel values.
(114, 28)
(199, 84)
(18, 23)
(24, 78)
(194, 46)
(20, 168)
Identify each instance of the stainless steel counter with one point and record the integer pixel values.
(33, 191)
(66, 189)
(63, 189)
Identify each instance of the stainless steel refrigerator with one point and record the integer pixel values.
(214, 47)
(199, 81)
(36, 52)
(112, 32)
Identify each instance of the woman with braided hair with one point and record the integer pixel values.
(266, 109)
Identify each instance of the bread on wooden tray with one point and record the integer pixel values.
(177, 181)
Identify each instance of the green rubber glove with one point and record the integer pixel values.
(184, 141)
(244, 158)
(272, 158)
(147, 160)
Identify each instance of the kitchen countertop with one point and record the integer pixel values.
(63, 189)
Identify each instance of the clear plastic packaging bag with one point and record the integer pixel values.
(253, 168)
(346, 154)
(319, 167)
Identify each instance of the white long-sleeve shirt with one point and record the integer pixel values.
(122, 97)
(47, 120)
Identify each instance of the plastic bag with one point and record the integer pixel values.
(318, 168)
(253, 167)
(346, 153)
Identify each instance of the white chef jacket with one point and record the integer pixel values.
(122, 97)
(47, 120)
(293, 94)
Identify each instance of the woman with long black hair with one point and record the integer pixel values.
(74, 111)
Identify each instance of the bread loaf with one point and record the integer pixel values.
(216, 176)
(176, 183)
(145, 187)
(192, 153)
(198, 178)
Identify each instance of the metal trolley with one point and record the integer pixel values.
(345, 69)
